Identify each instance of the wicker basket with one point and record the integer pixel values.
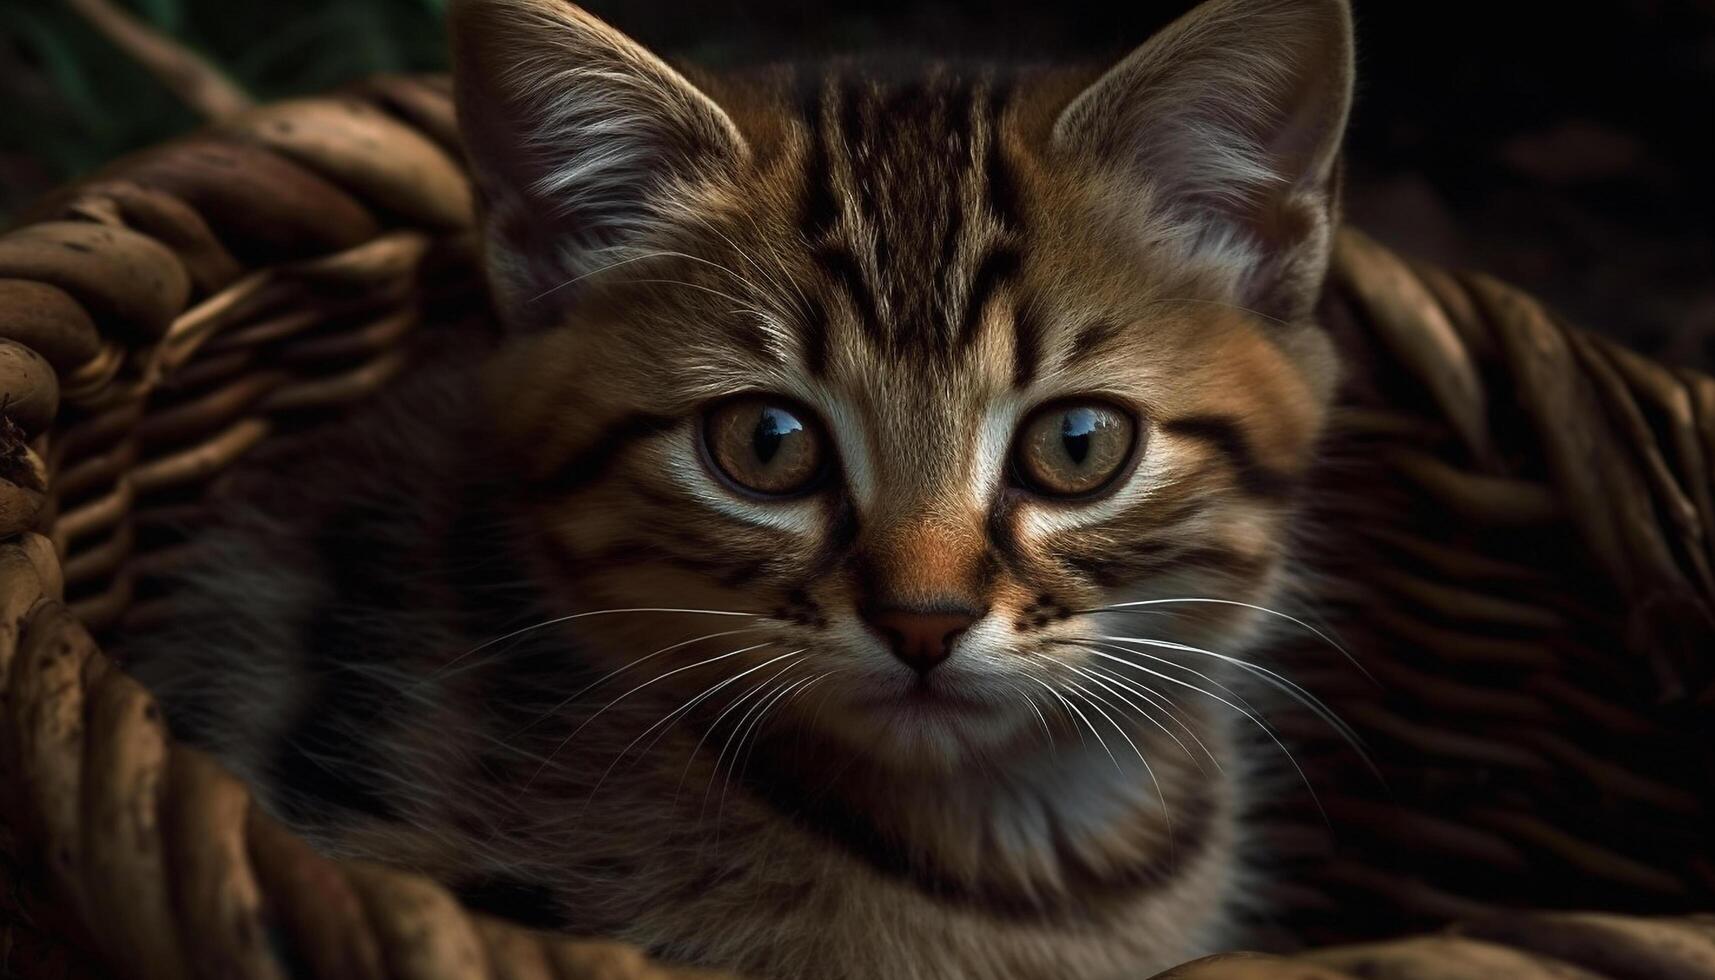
(1513, 529)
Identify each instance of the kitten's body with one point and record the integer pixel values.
(361, 586)
(526, 631)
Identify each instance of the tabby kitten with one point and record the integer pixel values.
(762, 598)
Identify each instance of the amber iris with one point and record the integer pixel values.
(1073, 449)
(767, 447)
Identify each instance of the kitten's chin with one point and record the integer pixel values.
(925, 730)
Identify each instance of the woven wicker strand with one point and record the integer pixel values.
(1516, 529)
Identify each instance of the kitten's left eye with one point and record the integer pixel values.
(765, 446)
(1073, 449)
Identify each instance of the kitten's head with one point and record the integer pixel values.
(921, 369)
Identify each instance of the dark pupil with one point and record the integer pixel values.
(1077, 430)
(772, 428)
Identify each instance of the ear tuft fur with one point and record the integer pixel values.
(1229, 123)
(585, 146)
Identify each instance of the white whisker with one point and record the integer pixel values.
(594, 612)
(654, 680)
(1141, 712)
(1074, 709)
(1255, 719)
(610, 675)
(1194, 672)
(738, 728)
(683, 710)
(751, 722)
(1161, 701)
(1279, 682)
(630, 260)
(1161, 794)
(1324, 637)
(1041, 719)
(715, 725)
(768, 276)
(777, 702)
(693, 285)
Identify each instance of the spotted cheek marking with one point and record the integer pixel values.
(1026, 589)
(1028, 607)
(1041, 611)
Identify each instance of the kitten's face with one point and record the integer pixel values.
(918, 375)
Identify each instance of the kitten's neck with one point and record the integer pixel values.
(1057, 827)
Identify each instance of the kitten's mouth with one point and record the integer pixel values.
(925, 696)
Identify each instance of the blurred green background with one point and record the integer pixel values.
(72, 101)
(1566, 147)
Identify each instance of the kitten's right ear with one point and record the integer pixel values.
(584, 145)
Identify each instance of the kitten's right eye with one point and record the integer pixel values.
(766, 446)
(1074, 449)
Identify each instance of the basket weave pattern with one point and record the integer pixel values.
(1514, 534)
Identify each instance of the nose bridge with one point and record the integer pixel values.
(923, 541)
(929, 559)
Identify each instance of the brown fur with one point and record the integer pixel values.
(919, 261)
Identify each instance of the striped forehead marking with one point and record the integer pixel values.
(910, 210)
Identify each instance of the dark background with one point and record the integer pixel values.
(1563, 146)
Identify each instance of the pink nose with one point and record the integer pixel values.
(921, 639)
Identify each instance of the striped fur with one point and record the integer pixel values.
(920, 256)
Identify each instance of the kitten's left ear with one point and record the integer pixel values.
(1226, 126)
(585, 146)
